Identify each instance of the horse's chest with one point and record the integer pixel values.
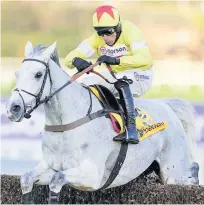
(61, 154)
(56, 144)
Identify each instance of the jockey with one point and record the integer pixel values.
(118, 43)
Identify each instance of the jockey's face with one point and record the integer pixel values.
(108, 35)
(109, 39)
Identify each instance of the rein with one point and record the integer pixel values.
(27, 114)
(130, 81)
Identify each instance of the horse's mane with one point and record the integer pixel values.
(38, 49)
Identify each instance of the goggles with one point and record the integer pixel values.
(106, 32)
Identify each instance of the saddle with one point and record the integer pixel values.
(145, 124)
(110, 103)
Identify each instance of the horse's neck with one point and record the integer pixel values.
(70, 104)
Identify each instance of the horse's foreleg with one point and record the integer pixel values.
(85, 177)
(28, 179)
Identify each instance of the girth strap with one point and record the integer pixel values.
(75, 124)
(118, 164)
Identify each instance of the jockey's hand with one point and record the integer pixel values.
(80, 63)
(109, 60)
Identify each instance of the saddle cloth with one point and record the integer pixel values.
(145, 124)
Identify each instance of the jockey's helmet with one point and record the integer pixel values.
(106, 17)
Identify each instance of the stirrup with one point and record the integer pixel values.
(132, 141)
(124, 138)
(120, 138)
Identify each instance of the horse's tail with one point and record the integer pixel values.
(186, 114)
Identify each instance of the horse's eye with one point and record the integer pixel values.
(38, 75)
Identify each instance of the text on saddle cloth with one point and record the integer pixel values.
(146, 126)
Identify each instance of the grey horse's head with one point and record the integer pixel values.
(32, 80)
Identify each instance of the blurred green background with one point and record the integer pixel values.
(70, 22)
(174, 32)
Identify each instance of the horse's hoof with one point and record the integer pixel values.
(53, 198)
(27, 198)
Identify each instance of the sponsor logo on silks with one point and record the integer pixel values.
(103, 50)
(141, 77)
(144, 77)
(114, 52)
(137, 76)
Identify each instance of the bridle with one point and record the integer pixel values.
(47, 98)
(39, 95)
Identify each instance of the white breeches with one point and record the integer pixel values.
(142, 80)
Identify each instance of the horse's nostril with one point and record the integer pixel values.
(15, 108)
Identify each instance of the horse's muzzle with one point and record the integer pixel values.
(15, 110)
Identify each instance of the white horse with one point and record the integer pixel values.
(85, 156)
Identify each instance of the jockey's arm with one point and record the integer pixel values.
(84, 50)
(141, 57)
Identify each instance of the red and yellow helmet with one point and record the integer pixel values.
(106, 16)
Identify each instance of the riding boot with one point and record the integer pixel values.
(125, 94)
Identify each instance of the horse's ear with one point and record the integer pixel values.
(49, 51)
(28, 48)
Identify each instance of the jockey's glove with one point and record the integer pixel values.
(109, 60)
(80, 63)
